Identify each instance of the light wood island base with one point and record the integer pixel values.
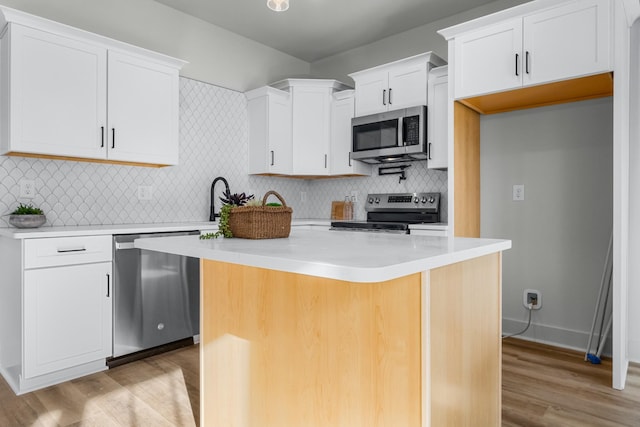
(284, 349)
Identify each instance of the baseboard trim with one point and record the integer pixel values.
(555, 336)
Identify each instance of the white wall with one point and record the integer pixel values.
(634, 201)
(412, 42)
(564, 156)
(215, 55)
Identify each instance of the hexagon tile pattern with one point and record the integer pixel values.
(213, 142)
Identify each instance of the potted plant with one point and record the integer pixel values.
(230, 201)
(27, 216)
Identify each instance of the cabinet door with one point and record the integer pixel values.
(279, 155)
(489, 60)
(371, 93)
(310, 133)
(269, 131)
(143, 110)
(67, 317)
(342, 111)
(407, 86)
(568, 41)
(437, 125)
(57, 101)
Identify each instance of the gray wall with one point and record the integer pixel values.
(215, 55)
(412, 42)
(564, 156)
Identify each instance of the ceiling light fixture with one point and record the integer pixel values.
(278, 5)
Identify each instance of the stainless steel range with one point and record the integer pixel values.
(393, 212)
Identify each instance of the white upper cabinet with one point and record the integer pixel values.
(558, 43)
(342, 111)
(437, 108)
(48, 109)
(568, 41)
(143, 110)
(270, 150)
(57, 83)
(291, 129)
(395, 85)
(311, 129)
(488, 60)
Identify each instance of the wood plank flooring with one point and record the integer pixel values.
(549, 386)
(542, 386)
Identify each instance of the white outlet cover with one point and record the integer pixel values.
(538, 306)
(145, 192)
(27, 189)
(518, 192)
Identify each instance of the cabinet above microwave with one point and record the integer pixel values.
(395, 85)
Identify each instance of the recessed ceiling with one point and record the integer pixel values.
(315, 29)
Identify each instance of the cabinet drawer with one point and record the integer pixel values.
(66, 251)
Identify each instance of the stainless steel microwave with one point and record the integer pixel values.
(393, 136)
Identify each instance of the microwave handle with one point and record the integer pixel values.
(401, 142)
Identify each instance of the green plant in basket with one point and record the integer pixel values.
(230, 201)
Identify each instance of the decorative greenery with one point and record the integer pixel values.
(235, 199)
(23, 209)
(223, 226)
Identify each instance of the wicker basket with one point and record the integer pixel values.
(261, 222)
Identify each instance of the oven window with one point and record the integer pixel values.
(373, 136)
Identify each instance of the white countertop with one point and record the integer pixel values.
(341, 255)
(97, 230)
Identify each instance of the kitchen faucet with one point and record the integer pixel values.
(214, 215)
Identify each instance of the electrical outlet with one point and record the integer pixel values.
(532, 296)
(145, 192)
(518, 192)
(27, 189)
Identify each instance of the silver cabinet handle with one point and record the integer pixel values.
(67, 250)
(113, 137)
(124, 245)
(272, 158)
(429, 151)
(390, 89)
(384, 94)
(349, 157)
(101, 136)
(517, 61)
(526, 62)
(325, 161)
(108, 285)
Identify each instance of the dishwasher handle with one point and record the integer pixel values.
(124, 245)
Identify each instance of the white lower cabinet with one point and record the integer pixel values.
(67, 317)
(55, 309)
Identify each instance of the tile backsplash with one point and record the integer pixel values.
(213, 142)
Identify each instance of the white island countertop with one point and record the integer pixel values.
(341, 255)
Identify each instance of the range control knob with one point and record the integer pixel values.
(377, 200)
(370, 200)
(424, 200)
(416, 199)
(432, 199)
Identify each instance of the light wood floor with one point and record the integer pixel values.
(542, 386)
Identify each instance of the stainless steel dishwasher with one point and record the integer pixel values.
(156, 299)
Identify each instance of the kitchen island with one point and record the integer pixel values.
(348, 329)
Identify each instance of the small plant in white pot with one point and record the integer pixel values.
(27, 216)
